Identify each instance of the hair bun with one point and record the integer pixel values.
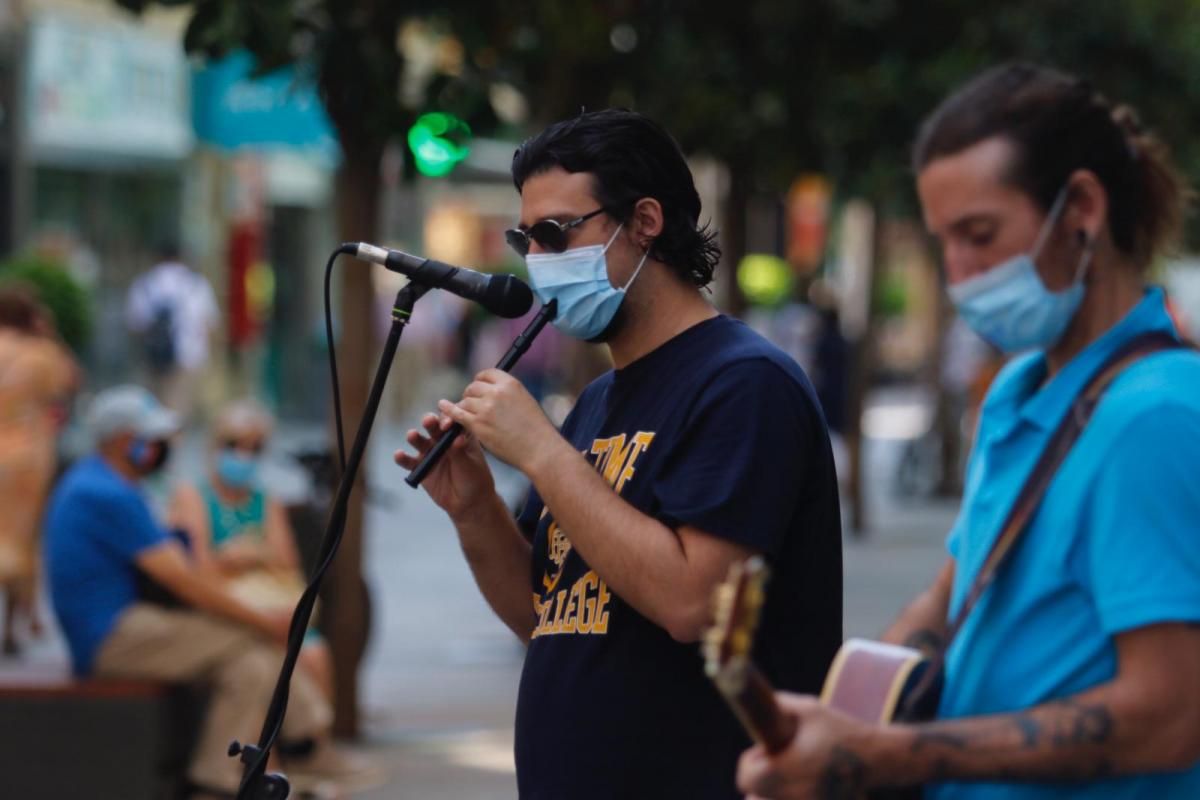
(1127, 120)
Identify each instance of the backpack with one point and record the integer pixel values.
(159, 340)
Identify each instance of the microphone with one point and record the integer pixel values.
(503, 295)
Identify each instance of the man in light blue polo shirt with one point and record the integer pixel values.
(1077, 674)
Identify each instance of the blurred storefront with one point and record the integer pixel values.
(98, 155)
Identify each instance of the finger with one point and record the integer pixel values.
(799, 704)
(431, 424)
(752, 765)
(493, 376)
(405, 460)
(472, 405)
(454, 412)
(475, 389)
(418, 441)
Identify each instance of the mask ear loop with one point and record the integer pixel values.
(613, 238)
(1051, 220)
(1085, 260)
(633, 277)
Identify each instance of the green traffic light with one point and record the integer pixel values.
(438, 141)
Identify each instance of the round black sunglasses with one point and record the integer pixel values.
(550, 234)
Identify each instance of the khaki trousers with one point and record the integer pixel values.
(182, 646)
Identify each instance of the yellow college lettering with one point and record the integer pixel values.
(583, 609)
(615, 459)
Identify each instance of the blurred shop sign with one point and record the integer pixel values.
(234, 109)
(104, 89)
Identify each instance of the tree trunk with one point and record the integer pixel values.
(347, 603)
(733, 236)
(862, 366)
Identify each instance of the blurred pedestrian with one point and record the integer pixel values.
(100, 536)
(1075, 673)
(36, 375)
(239, 534)
(831, 373)
(172, 311)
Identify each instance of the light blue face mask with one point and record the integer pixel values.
(1009, 305)
(235, 469)
(578, 280)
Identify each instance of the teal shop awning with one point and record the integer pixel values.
(277, 111)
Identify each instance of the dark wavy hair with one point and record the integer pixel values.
(1060, 124)
(630, 157)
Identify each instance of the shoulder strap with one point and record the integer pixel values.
(1034, 490)
(1056, 451)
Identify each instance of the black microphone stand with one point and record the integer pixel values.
(256, 783)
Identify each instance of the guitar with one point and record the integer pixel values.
(870, 681)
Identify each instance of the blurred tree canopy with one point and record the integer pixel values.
(837, 86)
(769, 87)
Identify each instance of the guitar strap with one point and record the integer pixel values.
(1038, 482)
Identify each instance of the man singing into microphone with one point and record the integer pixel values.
(704, 445)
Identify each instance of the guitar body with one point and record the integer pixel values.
(880, 683)
(875, 682)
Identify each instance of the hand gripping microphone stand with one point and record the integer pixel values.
(256, 784)
(506, 363)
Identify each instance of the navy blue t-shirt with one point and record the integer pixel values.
(719, 430)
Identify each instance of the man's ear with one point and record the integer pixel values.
(646, 221)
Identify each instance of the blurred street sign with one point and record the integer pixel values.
(280, 111)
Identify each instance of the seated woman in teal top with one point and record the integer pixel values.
(241, 535)
(1078, 672)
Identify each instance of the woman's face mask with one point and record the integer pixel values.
(1010, 306)
(237, 469)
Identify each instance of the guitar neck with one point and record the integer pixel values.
(760, 714)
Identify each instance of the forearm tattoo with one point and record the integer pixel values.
(845, 778)
(1062, 741)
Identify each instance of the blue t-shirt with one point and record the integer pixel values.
(715, 429)
(97, 523)
(1114, 546)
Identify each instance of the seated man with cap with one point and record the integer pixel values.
(99, 534)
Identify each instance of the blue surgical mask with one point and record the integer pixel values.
(235, 469)
(578, 280)
(144, 458)
(1009, 305)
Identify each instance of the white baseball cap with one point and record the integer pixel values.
(130, 409)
